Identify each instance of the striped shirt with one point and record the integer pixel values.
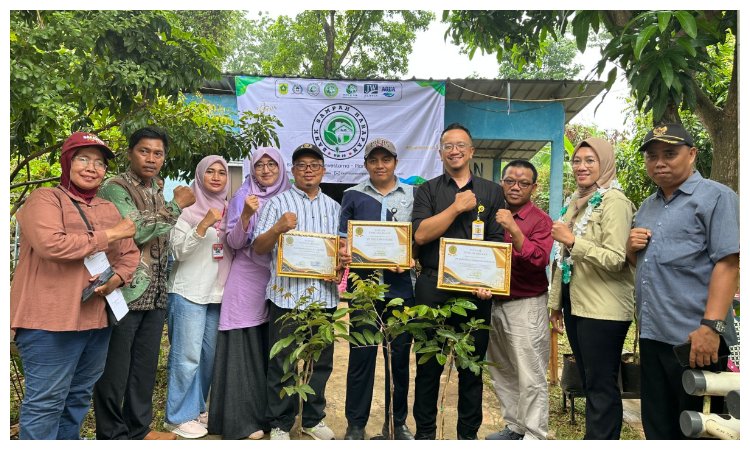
(319, 215)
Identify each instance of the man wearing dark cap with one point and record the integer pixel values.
(382, 197)
(448, 206)
(685, 247)
(304, 207)
(123, 395)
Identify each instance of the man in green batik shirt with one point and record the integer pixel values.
(122, 396)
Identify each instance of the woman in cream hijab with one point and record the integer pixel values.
(592, 283)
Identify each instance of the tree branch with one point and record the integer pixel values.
(352, 37)
(33, 182)
(52, 148)
(330, 32)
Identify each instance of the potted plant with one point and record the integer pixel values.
(630, 368)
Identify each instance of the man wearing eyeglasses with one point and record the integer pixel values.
(122, 396)
(519, 338)
(382, 197)
(455, 204)
(303, 207)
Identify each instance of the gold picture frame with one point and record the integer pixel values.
(466, 265)
(379, 245)
(307, 255)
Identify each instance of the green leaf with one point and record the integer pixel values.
(458, 310)
(663, 18)
(339, 313)
(687, 22)
(441, 359)
(643, 39)
(369, 336)
(666, 72)
(341, 327)
(281, 345)
(395, 302)
(358, 336)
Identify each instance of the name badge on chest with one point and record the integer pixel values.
(477, 226)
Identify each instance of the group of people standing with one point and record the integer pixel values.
(222, 300)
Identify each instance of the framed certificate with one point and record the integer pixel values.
(377, 245)
(466, 265)
(307, 255)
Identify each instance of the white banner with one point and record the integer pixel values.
(341, 116)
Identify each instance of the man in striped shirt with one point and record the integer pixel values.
(304, 207)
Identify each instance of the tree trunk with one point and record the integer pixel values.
(722, 125)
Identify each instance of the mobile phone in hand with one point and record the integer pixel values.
(100, 280)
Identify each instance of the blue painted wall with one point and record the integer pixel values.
(526, 121)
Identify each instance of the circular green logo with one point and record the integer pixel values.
(340, 131)
(330, 90)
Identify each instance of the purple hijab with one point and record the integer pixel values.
(251, 186)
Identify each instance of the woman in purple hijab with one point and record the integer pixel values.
(238, 395)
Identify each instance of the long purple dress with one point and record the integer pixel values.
(238, 400)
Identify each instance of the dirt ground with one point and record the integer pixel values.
(336, 398)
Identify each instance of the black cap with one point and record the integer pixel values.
(671, 133)
(307, 148)
(377, 143)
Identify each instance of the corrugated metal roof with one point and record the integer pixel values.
(574, 94)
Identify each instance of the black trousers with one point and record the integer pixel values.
(597, 346)
(360, 375)
(122, 396)
(662, 396)
(281, 412)
(427, 381)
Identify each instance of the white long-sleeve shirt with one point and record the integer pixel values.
(195, 271)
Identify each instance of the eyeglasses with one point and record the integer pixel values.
(588, 162)
(85, 161)
(302, 167)
(508, 182)
(461, 146)
(270, 165)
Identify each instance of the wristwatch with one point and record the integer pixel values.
(718, 326)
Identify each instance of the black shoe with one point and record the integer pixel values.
(400, 432)
(462, 437)
(354, 433)
(424, 436)
(505, 435)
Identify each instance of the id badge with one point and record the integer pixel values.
(217, 251)
(477, 230)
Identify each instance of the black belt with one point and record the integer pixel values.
(429, 271)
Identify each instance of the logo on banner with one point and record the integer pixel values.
(313, 90)
(371, 89)
(389, 91)
(351, 90)
(330, 90)
(340, 131)
(297, 88)
(283, 88)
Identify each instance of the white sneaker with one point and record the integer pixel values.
(189, 430)
(319, 432)
(203, 419)
(277, 434)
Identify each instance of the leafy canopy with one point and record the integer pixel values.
(329, 44)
